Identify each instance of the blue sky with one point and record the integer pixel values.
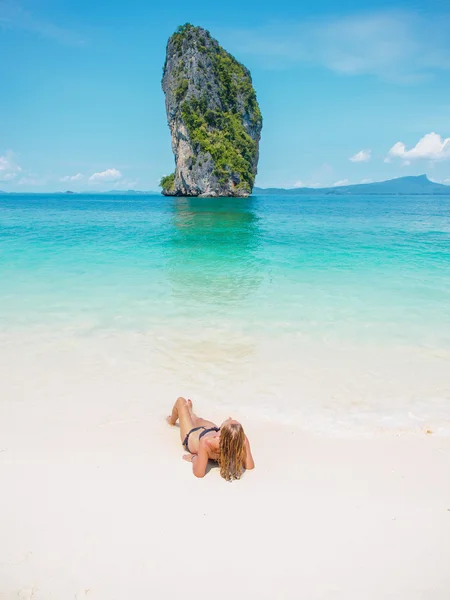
(347, 95)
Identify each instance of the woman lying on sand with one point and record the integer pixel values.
(228, 445)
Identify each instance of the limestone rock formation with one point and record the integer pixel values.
(213, 116)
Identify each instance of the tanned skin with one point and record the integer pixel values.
(201, 451)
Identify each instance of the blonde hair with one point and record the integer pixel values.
(232, 451)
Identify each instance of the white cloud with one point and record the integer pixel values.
(108, 175)
(393, 44)
(306, 184)
(9, 169)
(125, 184)
(76, 177)
(5, 177)
(431, 146)
(361, 156)
(32, 180)
(366, 181)
(340, 182)
(447, 181)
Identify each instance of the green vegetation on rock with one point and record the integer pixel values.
(211, 94)
(223, 136)
(180, 34)
(222, 133)
(167, 182)
(235, 84)
(181, 89)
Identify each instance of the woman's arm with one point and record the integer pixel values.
(200, 460)
(249, 462)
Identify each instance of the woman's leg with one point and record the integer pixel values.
(182, 411)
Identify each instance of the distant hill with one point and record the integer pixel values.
(406, 186)
(412, 185)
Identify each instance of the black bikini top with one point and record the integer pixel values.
(205, 431)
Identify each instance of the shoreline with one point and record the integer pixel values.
(318, 386)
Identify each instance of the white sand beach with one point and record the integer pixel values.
(156, 242)
(96, 502)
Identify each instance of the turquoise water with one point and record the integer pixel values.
(359, 267)
(332, 313)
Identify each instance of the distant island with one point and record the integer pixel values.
(86, 193)
(213, 116)
(411, 185)
(401, 186)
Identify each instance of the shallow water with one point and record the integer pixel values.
(330, 311)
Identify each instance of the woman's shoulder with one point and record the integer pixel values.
(210, 443)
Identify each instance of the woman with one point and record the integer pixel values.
(228, 445)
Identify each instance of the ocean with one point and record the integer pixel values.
(331, 313)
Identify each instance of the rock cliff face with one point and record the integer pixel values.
(213, 115)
